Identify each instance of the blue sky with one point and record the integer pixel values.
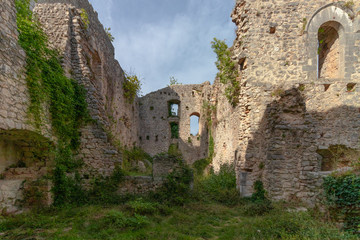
(161, 38)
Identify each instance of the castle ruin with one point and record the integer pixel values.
(298, 104)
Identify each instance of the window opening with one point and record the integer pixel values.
(194, 124)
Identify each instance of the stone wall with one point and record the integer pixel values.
(155, 120)
(19, 142)
(89, 58)
(286, 113)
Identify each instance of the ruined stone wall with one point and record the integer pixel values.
(21, 158)
(286, 113)
(89, 58)
(155, 119)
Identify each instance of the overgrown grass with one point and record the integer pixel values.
(192, 221)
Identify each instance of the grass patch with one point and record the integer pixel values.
(193, 220)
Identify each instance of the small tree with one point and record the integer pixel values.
(173, 81)
(131, 86)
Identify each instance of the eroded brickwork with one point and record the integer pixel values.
(155, 120)
(287, 113)
(89, 58)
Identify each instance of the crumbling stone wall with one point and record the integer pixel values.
(21, 158)
(286, 112)
(155, 134)
(89, 58)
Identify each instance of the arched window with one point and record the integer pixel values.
(329, 50)
(194, 124)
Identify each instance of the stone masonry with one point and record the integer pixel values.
(299, 74)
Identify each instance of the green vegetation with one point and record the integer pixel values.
(217, 187)
(174, 81)
(174, 130)
(349, 4)
(131, 86)
(304, 22)
(212, 210)
(343, 199)
(176, 187)
(108, 33)
(48, 86)
(132, 158)
(228, 72)
(85, 18)
(277, 92)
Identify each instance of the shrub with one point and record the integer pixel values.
(176, 187)
(218, 187)
(200, 165)
(131, 86)
(104, 189)
(118, 219)
(139, 206)
(131, 158)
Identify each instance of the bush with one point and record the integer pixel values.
(176, 187)
(131, 159)
(118, 219)
(104, 189)
(219, 187)
(139, 206)
(131, 86)
(257, 208)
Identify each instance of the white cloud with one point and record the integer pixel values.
(170, 45)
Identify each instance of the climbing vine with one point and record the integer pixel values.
(342, 194)
(227, 71)
(65, 98)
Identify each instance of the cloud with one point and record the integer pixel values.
(168, 39)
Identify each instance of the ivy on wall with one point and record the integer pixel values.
(227, 71)
(342, 195)
(65, 98)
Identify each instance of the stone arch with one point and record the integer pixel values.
(195, 123)
(329, 12)
(334, 22)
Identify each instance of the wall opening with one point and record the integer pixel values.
(329, 50)
(337, 156)
(173, 106)
(22, 149)
(194, 124)
(174, 127)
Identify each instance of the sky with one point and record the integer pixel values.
(159, 39)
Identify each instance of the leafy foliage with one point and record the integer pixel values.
(110, 36)
(174, 81)
(131, 158)
(342, 195)
(227, 71)
(176, 187)
(200, 165)
(131, 86)
(218, 187)
(48, 85)
(174, 127)
(85, 18)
